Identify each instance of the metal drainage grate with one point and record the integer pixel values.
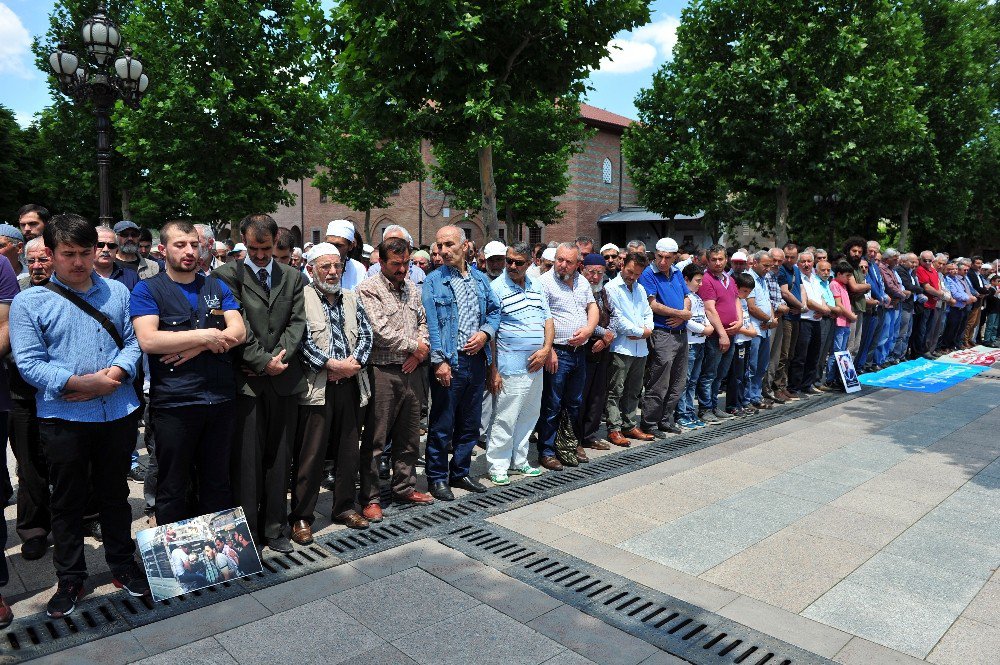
(673, 625)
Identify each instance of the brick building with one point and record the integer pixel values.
(599, 187)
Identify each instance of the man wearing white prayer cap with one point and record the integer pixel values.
(340, 233)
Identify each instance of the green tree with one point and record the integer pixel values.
(530, 163)
(361, 168)
(231, 112)
(457, 68)
(17, 165)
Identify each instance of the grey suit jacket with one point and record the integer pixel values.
(273, 322)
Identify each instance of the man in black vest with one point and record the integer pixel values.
(187, 323)
(269, 379)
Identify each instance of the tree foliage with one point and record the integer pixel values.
(231, 112)
(457, 68)
(531, 157)
(361, 168)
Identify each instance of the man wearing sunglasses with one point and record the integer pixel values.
(104, 260)
(128, 250)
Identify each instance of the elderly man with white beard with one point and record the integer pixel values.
(334, 352)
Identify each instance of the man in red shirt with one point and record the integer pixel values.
(927, 276)
(718, 290)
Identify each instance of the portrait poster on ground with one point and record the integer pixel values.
(845, 365)
(196, 553)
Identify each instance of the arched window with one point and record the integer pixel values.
(606, 173)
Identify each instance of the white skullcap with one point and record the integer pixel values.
(610, 246)
(341, 228)
(237, 248)
(494, 248)
(392, 228)
(366, 251)
(322, 249)
(739, 256)
(549, 254)
(221, 245)
(666, 245)
(296, 251)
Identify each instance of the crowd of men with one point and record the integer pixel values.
(263, 371)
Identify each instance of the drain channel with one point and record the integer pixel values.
(100, 616)
(681, 629)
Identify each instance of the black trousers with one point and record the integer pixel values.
(595, 395)
(193, 441)
(802, 372)
(33, 517)
(261, 458)
(5, 496)
(70, 448)
(328, 431)
(152, 470)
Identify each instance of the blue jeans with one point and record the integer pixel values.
(870, 330)
(902, 335)
(760, 357)
(840, 337)
(456, 412)
(714, 370)
(686, 408)
(887, 338)
(562, 390)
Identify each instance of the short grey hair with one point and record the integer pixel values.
(521, 249)
(205, 230)
(890, 253)
(941, 256)
(965, 262)
(759, 254)
(34, 243)
(396, 227)
(781, 254)
(809, 254)
(634, 245)
(571, 245)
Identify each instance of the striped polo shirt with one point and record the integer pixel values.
(523, 313)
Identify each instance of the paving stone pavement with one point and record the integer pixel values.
(866, 532)
(419, 603)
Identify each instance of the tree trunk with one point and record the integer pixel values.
(368, 227)
(126, 204)
(489, 210)
(781, 215)
(904, 226)
(513, 230)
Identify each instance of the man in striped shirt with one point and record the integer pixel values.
(523, 343)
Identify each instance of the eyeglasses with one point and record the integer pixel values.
(515, 262)
(109, 245)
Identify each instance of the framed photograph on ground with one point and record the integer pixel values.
(845, 365)
(196, 553)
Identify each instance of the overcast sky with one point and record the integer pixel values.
(630, 67)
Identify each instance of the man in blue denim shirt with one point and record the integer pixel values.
(85, 397)
(461, 309)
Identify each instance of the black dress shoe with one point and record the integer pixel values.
(280, 544)
(439, 490)
(329, 481)
(383, 468)
(468, 484)
(93, 529)
(34, 548)
(671, 429)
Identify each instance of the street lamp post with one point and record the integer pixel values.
(101, 80)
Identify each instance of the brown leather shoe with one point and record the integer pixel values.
(600, 444)
(581, 455)
(6, 614)
(619, 440)
(639, 435)
(550, 463)
(372, 512)
(353, 520)
(414, 497)
(302, 533)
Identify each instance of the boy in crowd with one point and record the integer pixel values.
(739, 374)
(845, 316)
(698, 329)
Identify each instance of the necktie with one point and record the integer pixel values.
(262, 277)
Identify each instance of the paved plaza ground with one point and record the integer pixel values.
(865, 532)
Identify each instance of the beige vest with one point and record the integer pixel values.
(319, 332)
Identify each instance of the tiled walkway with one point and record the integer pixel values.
(419, 603)
(870, 523)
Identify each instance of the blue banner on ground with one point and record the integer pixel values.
(920, 375)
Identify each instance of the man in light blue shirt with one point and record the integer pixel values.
(629, 349)
(522, 345)
(761, 310)
(82, 365)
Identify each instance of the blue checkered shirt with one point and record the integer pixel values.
(467, 302)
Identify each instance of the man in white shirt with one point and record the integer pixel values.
(802, 370)
(340, 233)
(629, 349)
